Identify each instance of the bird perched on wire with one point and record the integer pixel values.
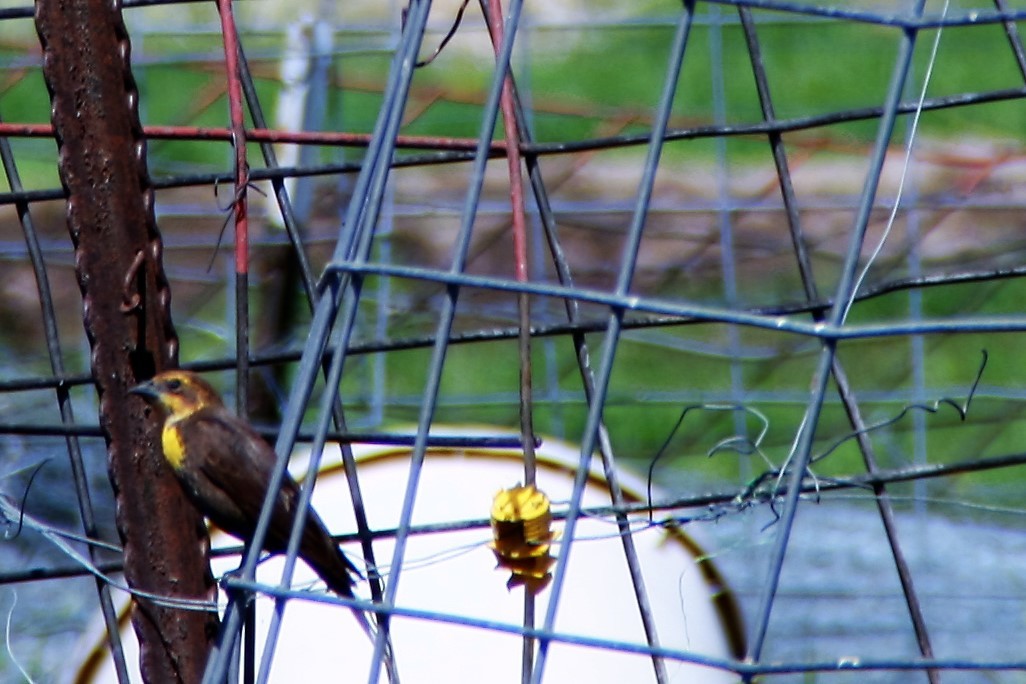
(224, 466)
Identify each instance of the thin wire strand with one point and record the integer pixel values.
(905, 167)
(7, 639)
(802, 450)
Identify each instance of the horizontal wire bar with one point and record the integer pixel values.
(897, 20)
(853, 664)
(453, 150)
(558, 329)
(822, 331)
(272, 135)
(755, 496)
(380, 438)
(341, 139)
(905, 21)
(763, 127)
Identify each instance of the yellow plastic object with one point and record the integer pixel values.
(522, 535)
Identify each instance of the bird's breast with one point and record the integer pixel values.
(173, 444)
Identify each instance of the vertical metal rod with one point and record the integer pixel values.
(493, 18)
(519, 232)
(444, 327)
(241, 222)
(844, 388)
(370, 180)
(583, 357)
(310, 287)
(728, 257)
(239, 204)
(806, 431)
(126, 314)
(360, 224)
(614, 325)
(256, 113)
(1014, 39)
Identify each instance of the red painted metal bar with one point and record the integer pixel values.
(36, 130)
(238, 134)
(239, 205)
(493, 17)
(519, 234)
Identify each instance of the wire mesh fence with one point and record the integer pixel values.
(766, 255)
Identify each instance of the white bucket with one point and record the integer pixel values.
(454, 572)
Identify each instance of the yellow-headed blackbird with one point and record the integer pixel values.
(225, 466)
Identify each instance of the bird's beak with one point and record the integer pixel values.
(146, 390)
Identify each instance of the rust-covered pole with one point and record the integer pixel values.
(126, 309)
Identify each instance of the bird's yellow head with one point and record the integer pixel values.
(178, 393)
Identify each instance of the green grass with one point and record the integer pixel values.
(580, 79)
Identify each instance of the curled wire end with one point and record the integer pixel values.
(131, 300)
(522, 536)
(448, 36)
(24, 499)
(230, 210)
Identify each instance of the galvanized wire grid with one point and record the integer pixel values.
(373, 299)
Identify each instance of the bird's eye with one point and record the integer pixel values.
(174, 385)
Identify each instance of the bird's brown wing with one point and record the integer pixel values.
(231, 466)
(234, 465)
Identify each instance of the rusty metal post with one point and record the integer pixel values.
(126, 310)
